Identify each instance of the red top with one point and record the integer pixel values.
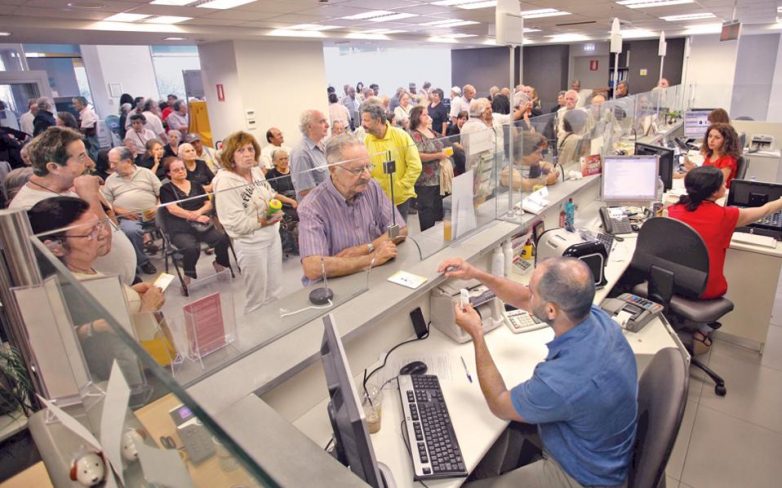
(715, 224)
(725, 161)
(166, 112)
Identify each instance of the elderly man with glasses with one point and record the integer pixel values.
(343, 221)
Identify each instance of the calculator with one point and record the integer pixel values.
(522, 321)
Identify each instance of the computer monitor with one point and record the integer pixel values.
(629, 180)
(696, 121)
(352, 444)
(666, 163)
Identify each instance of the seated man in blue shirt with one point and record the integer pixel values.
(583, 397)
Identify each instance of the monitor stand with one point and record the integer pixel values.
(385, 473)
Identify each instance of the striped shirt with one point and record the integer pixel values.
(328, 223)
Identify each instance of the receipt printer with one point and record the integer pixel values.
(559, 242)
(443, 298)
(631, 312)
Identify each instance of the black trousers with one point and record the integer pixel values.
(430, 205)
(190, 244)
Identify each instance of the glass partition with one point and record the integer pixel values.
(105, 328)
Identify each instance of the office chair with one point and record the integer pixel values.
(672, 258)
(741, 168)
(662, 395)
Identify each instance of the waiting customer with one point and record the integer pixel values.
(429, 201)
(581, 402)
(188, 219)
(197, 170)
(153, 157)
(242, 197)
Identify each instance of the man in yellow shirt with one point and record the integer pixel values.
(383, 139)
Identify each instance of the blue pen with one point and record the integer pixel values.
(466, 371)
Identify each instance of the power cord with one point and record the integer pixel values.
(385, 360)
(329, 444)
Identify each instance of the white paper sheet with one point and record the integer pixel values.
(163, 467)
(112, 422)
(71, 423)
(446, 366)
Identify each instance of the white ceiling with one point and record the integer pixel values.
(81, 21)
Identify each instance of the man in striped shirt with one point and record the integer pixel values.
(343, 221)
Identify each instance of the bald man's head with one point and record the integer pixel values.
(567, 283)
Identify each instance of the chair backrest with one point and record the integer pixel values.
(674, 246)
(662, 395)
(741, 168)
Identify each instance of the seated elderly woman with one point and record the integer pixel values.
(571, 146)
(75, 235)
(197, 170)
(153, 157)
(172, 146)
(530, 171)
(188, 219)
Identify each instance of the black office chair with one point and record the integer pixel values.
(672, 258)
(662, 395)
(741, 168)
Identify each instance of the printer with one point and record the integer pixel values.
(443, 299)
(559, 242)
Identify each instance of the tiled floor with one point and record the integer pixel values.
(736, 440)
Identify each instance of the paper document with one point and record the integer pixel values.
(445, 366)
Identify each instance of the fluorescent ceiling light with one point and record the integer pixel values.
(568, 38)
(224, 4)
(125, 17)
(381, 31)
(398, 16)
(527, 30)
(175, 3)
(366, 36)
(295, 33)
(313, 27)
(542, 12)
(460, 36)
(652, 3)
(442, 39)
(450, 23)
(679, 18)
(34, 55)
(5, 34)
(175, 39)
(369, 15)
(704, 29)
(167, 19)
(477, 5)
(466, 4)
(638, 33)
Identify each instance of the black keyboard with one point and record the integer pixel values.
(430, 436)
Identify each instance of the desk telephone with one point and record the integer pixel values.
(631, 311)
(614, 221)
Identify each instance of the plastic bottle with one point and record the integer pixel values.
(274, 207)
(497, 262)
(507, 252)
(570, 215)
(660, 189)
(562, 217)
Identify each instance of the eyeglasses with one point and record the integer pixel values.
(99, 227)
(357, 171)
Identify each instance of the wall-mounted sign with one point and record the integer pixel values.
(220, 93)
(593, 63)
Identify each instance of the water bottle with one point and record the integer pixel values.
(498, 262)
(570, 215)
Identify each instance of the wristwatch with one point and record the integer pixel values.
(370, 248)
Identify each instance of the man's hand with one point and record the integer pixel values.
(458, 268)
(468, 319)
(152, 299)
(552, 177)
(86, 185)
(385, 252)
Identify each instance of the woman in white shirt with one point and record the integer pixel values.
(402, 112)
(242, 198)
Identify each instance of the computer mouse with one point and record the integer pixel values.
(416, 367)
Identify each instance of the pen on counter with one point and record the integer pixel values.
(466, 371)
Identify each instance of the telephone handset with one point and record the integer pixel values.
(613, 224)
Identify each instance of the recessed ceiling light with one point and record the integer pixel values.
(5, 34)
(86, 5)
(387, 18)
(175, 39)
(652, 3)
(224, 4)
(381, 31)
(313, 27)
(367, 36)
(542, 12)
(528, 30)
(704, 29)
(175, 3)
(443, 39)
(295, 33)
(466, 4)
(450, 23)
(638, 33)
(124, 17)
(368, 15)
(679, 18)
(167, 19)
(460, 35)
(568, 38)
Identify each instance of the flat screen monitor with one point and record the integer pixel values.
(696, 121)
(629, 179)
(352, 443)
(666, 163)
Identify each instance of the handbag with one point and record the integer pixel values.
(201, 227)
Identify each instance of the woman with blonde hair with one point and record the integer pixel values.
(242, 198)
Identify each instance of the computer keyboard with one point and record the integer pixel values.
(520, 321)
(431, 439)
(773, 220)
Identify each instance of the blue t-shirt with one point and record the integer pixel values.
(584, 399)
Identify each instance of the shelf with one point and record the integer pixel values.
(12, 424)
